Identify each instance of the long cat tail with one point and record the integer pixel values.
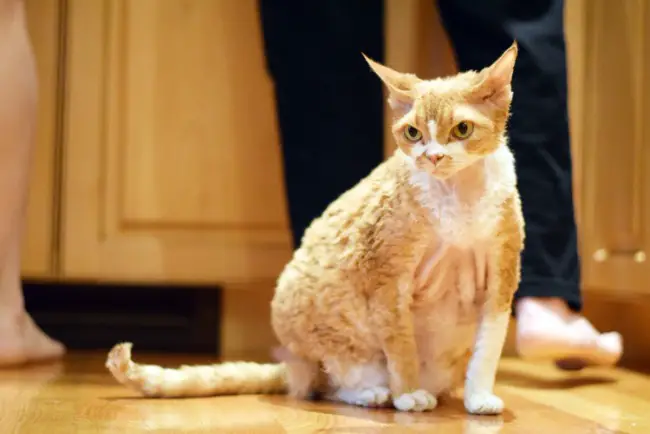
(195, 381)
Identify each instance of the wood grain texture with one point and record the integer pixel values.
(614, 190)
(44, 26)
(81, 397)
(246, 320)
(172, 164)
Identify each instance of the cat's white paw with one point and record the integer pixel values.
(370, 397)
(374, 397)
(483, 403)
(420, 400)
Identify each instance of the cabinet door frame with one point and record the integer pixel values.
(96, 243)
(46, 27)
(613, 259)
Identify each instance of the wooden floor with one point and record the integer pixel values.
(79, 396)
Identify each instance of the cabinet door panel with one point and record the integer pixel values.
(195, 112)
(614, 181)
(43, 20)
(173, 169)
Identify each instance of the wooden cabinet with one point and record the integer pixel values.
(157, 156)
(39, 244)
(616, 137)
(172, 170)
(157, 148)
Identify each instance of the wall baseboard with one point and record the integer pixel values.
(155, 318)
(234, 322)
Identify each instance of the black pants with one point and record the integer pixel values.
(330, 110)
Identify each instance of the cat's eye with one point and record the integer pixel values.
(462, 130)
(412, 134)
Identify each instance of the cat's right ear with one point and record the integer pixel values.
(401, 87)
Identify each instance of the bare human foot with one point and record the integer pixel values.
(22, 342)
(548, 329)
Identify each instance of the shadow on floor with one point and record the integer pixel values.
(449, 410)
(534, 381)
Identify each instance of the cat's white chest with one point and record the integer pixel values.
(456, 221)
(451, 276)
(467, 210)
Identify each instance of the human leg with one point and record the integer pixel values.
(330, 113)
(20, 338)
(549, 298)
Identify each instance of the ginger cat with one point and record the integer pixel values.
(401, 291)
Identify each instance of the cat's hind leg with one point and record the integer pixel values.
(362, 384)
(304, 376)
(376, 396)
(367, 385)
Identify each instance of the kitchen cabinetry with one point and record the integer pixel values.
(615, 193)
(39, 245)
(170, 165)
(157, 156)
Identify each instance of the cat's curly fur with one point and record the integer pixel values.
(401, 290)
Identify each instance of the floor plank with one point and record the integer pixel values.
(79, 396)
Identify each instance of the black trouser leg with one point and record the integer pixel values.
(480, 30)
(329, 106)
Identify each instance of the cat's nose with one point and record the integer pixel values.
(435, 158)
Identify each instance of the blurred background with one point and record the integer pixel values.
(157, 211)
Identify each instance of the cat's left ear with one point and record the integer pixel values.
(401, 86)
(496, 81)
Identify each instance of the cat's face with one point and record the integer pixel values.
(446, 124)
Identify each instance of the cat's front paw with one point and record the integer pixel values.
(419, 400)
(483, 403)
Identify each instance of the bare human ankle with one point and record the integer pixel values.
(526, 306)
(548, 329)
